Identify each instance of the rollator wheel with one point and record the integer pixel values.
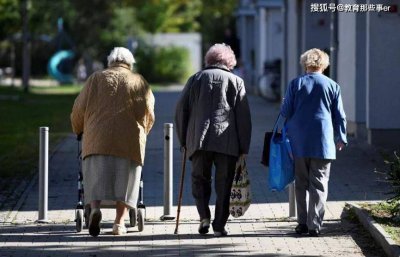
(133, 217)
(87, 215)
(79, 220)
(140, 219)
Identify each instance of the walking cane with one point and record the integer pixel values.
(180, 190)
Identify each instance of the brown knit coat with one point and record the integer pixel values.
(115, 111)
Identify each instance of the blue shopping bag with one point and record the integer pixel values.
(281, 166)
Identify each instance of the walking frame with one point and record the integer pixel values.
(137, 215)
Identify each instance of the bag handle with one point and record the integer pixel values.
(239, 169)
(276, 123)
(284, 129)
(283, 139)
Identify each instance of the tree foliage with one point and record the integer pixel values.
(167, 15)
(10, 19)
(393, 176)
(94, 26)
(123, 25)
(215, 17)
(163, 64)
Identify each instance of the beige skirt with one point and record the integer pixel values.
(110, 178)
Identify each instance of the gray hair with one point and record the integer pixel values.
(121, 54)
(314, 59)
(220, 54)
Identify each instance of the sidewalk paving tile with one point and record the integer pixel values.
(265, 229)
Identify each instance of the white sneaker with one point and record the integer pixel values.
(119, 229)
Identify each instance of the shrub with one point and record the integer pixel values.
(163, 64)
(393, 176)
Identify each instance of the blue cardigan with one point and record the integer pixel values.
(314, 114)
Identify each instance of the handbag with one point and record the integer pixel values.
(267, 144)
(240, 199)
(281, 167)
(266, 147)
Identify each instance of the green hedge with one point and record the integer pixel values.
(163, 64)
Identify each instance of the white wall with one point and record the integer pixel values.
(269, 39)
(361, 67)
(261, 37)
(383, 69)
(315, 32)
(352, 67)
(293, 38)
(249, 38)
(346, 63)
(305, 30)
(368, 67)
(247, 32)
(383, 80)
(191, 41)
(274, 36)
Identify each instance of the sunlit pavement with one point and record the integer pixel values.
(265, 229)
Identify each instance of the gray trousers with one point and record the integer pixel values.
(202, 162)
(311, 176)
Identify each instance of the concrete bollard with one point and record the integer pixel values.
(43, 173)
(168, 171)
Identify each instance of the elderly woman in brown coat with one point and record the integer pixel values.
(115, 111)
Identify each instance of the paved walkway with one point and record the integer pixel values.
(265, 229)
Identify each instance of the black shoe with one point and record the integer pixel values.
(220, 233)
(314, 232)
(204, 226)
(94, 222)
(301, 229)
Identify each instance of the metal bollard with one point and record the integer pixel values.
(43, 173)
(168, 171)
(292, 201)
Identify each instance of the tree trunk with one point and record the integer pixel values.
(26, 62)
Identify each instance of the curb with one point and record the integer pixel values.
(377, 232)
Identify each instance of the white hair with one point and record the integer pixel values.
(121, 54)
(314, 59)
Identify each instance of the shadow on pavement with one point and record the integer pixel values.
(352, 174)
(62, 240)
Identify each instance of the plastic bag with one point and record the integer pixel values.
(240, 192)
(281, 166)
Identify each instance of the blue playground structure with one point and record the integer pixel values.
(60, 65)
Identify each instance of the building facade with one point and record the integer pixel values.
(362, 39)
(260, 30)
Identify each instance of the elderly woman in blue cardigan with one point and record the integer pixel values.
(316, 125)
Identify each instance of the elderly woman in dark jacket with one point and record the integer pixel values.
(214, 125)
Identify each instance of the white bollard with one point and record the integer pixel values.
(43, 173)
(168, 171)
(292, 201)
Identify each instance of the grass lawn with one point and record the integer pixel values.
(382, 213)
(21, 115)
